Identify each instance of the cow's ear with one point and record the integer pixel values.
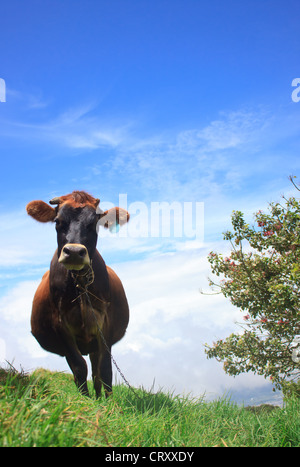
(114, 217)
(41, 211)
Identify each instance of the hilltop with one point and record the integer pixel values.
(45, 409)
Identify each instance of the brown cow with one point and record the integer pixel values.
(80, 298)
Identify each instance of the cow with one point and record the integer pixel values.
(80, 307)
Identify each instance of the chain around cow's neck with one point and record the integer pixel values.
(89, 275)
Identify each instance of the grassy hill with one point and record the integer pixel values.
(45, 409)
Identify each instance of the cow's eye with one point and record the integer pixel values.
(92, 225)
(60, 224)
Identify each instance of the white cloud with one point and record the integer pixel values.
(25, 241)
(2, 351)
(230, 131)
(208, 163)
(29, 100)
(32, 349)
(75, 128)
(15, 306)
(211, 163)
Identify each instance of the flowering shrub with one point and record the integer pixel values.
(262, 278)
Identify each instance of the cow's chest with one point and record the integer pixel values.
(82, 322)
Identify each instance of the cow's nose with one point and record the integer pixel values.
(75, 250)
(74, 256)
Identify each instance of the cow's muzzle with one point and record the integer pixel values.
(74, 256)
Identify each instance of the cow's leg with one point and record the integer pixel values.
(102, 372)
(79, 368)
(106, 373)
(95, 358)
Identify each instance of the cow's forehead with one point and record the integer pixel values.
(71, 211)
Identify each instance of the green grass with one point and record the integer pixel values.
(45, 409)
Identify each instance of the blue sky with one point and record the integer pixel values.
(164, 101)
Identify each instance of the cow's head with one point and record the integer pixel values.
(76, 217)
